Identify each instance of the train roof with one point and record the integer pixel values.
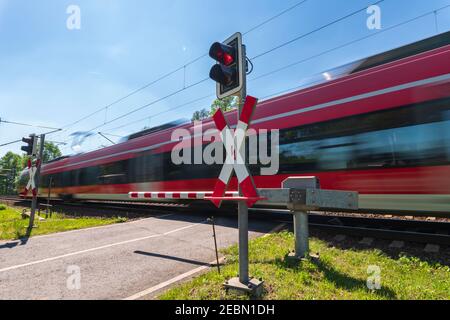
(293, 107)
(409, 50)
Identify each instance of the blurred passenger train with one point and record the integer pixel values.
(380, 126)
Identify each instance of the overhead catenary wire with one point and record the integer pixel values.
(9, 143)
(313, 31)
(183, 67)
(274, 17)
(307, 59)
(346, 44)
(257, 56)
(322, 53)
(26, 124)
(162, 112)
(295, 39)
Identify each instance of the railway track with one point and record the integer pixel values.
(408, 230)
(411, 230)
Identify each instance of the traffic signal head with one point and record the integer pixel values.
(30, 148)
(228, 73)
(223, 53)
(226, 76)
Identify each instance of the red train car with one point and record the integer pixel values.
(382, 129)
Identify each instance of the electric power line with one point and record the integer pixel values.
(166, 75)
(26, 124)
(259, 55)
(322, 53)
(347, 44)
(9, 143)
(275, 16)
(301, 61)
(313, 31)
(162, 112)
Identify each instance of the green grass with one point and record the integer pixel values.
(338, 274)
(13, 227)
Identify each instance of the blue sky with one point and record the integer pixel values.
(53, 76)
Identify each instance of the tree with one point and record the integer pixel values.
(226, 104)
(51, 152)
(11, 165)
(200, 115)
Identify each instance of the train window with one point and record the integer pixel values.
(113, 173)
(336, 153)
(147, 167)
(298, 155)
(66, 179)
(408, 136)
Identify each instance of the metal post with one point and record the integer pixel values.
(13, 179)
(243, 284)
(242, 206)
(48, 195)
(301, 231)
(243, 242)
(38, 172)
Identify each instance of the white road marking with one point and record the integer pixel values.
(172, 281)
(189, 273)
(97, 248)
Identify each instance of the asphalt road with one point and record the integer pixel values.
(116, 261)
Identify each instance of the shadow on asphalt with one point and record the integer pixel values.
(255, 224)
(20, 242)
(163, 256)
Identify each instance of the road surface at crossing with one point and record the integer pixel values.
(129, 260)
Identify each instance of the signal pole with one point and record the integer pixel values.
(242, 205)
(38, 172)
(230, 74)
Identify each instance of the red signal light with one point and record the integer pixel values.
(227, 59)
(229, 71)
(222, 53)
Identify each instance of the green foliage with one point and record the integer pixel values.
(226, 104)
(12, 226)
(2, 207)
(11, 164)
(200, 115)
(51, 151)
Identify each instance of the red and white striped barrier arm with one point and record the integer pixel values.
(200, 195)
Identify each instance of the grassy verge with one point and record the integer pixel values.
(12, 226)
(339, 274)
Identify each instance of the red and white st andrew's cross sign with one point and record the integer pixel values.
(31, 182)
(234, 144)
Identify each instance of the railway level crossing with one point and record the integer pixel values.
(298, 194)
